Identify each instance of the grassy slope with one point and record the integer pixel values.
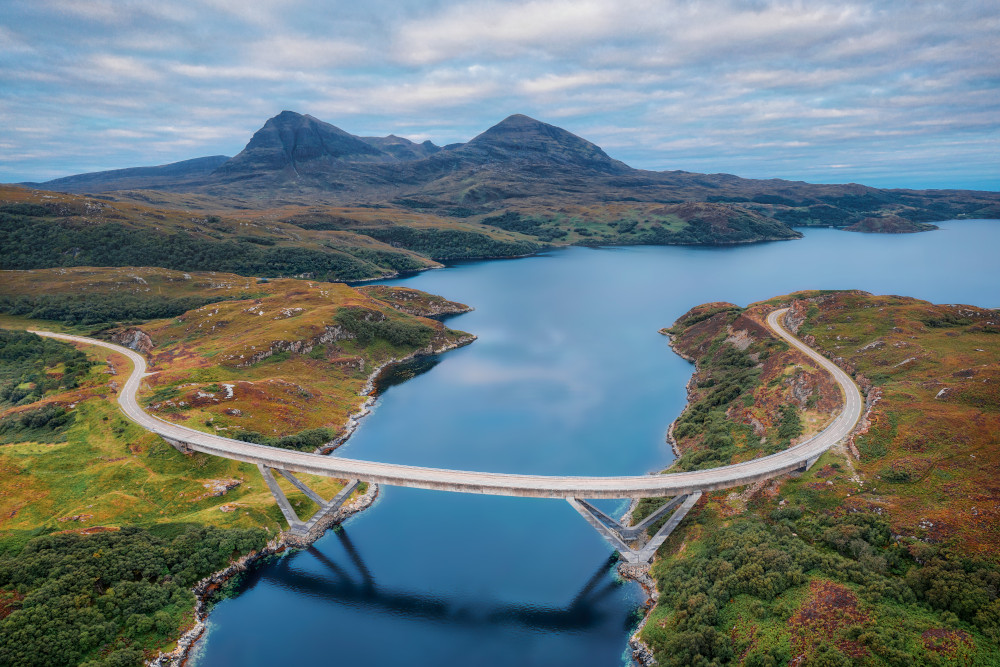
(301, 384)
(885, 554)
(124, 475)
(744, 376)
(47, 229)
(104, 473)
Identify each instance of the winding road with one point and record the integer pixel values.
(502, 484)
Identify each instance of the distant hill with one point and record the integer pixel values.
(401, 148)
(519, 139)
(525, 176)
(136, 178)
(291, 142)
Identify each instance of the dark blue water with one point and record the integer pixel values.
(569, 376)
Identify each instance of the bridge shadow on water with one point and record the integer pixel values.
(352, 583)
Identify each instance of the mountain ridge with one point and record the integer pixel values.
(525, 166)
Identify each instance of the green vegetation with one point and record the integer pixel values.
(884, 553)
(368, 325)
(104, 599)
(731, 375)
(303, 441)
(513, 221)
(396, 261)
(44, 424)
(34, 245)
(734, 598)
(34, 242)
(25, 359)
(97, 308)
(790, 425)
(450, 243)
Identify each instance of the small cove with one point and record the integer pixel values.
(569, 376)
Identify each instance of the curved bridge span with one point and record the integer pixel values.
(685, 487)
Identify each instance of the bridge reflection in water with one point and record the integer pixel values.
(348, 581)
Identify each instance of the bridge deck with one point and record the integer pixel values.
(464, 481)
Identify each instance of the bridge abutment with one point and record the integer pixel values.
(296, 525)
(630, 541)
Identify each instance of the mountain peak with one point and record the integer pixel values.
(290, 141)
(525, 139)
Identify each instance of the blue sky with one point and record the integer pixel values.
(883, 92)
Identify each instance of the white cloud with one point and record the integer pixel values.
(227, 72)
(107, 66)
(298, 52)
(724, 85)
(503, 28)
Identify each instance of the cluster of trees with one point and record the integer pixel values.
(103, 599)
(397, 261)
(513, 221)
(303, 441)
(24, 209)
(24, 358)
(102, 308)
(731, 375)
(45, 424)
(33, 242)
(790, 426)
(764, 558)
(739, 228)
(450, 243)
(946, 319)
(367, 328)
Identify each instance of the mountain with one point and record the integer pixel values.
(166, 175)
(524, 140)
(291, 142)
(532, 178)
(401, 148)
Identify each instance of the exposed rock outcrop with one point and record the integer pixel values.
(134, 339)
(415, 302)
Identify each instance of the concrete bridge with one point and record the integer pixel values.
(685, 488)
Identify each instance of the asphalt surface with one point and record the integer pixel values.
(502, 484)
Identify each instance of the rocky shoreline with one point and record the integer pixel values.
(368, 390)
(641, 653)
(688, 388)
(205, 589)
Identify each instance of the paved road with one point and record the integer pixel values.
(501, 484)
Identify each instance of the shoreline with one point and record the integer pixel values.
(641, 653)
(368, 390)
(206, 589)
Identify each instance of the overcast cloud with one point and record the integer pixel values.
(888, 93)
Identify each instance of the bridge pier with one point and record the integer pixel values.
(808, 463)
(179, 445)
(295, 525)
(623, 537)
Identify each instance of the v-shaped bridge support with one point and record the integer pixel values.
(623, 538)
(296, 525)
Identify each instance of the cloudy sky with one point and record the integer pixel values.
(891, 93)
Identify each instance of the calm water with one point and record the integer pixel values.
(569, 376)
